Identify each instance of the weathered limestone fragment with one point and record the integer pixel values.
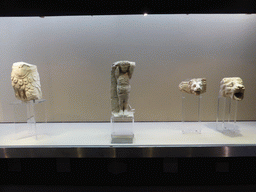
(121, 73)
(195, 86)
(232, 87)
(26, 81)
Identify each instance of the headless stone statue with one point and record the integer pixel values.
(26, 81)
(121, 73)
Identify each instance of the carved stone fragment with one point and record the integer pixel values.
(26, 81)
(121, 73)
(195, 86)
(232, 87)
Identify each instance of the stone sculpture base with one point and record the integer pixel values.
(123, 114)
(122, 129)
(226, 115)
(191, 112)
(26, 126)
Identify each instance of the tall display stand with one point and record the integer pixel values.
(25, 123)
(122, 129)
(226, 114)
(191, 111)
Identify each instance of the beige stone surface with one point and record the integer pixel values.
(195, 86)
(26, 81)
(121, 73)
(232, 87)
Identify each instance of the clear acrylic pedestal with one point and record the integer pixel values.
(25, 122)
(122, 129)
(226, 115)
(191, 111)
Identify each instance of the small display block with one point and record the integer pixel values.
(191, 112)
(25, 116)
(226, 114)
(122, 129)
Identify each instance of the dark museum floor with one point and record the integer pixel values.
(233, 188)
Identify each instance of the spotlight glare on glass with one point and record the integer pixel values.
(145, 14)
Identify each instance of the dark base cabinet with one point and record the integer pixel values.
(129, 171)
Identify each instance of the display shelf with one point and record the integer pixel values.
(152, 139)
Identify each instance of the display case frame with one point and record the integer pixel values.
(9, 8)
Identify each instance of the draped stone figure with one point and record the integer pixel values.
(121, 74)
(26, 81)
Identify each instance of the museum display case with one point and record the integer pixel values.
(74, 55)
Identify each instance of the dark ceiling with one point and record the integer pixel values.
(121, 7)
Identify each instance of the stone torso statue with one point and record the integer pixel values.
(120, 87)
(26, 81)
